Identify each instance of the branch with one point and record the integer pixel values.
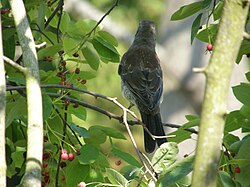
(2, 114)
(246, 35)
(15, 65)
(32, 175)
(102, 18)
(218, 74)
(93, 107)
(59, 6)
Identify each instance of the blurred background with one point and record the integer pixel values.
(183, 89)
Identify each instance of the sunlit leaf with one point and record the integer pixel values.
(187, 10)
(116, 178)
(195, 27)
(165, 156)
(88, 154)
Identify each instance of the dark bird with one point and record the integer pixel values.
(141, 81)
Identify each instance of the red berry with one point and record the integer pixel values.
(118, 162)
(49, 58)
(63, 63)
(4, 11)
(77, 70)
(78, 152)
(45, 139)
(209, 47)
(46, 156)
(63, 164)
(45, 164)
(76, 105)
(64, 156)
(67, 84)
(83, 81)
(82, 184)
(237, 170)
(63, 151)
(75, 55)
(46, 179)
(67, 103)
(63, 178)
(71, 156)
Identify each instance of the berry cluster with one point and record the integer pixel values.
(65, 155)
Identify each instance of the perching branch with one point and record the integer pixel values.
(218, 73)
(2, 115)
(32, 176)
(93, 107)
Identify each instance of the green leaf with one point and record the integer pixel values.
(105, 50)
(86, 75)
(239, 161)
(65, 21)
(244, 153)
(88, 154)
(70, 45)
(248, 76)
(91, 57)
(229, 139)
(116, 178)
(218, 10)
(17, 158)
(234, 121)
(108, 37)
(195, 27)
(9, 44)
(94, 175)
(112, 132)
(15, 110)
(208, 34)
(49, 51)
(130, 172)
(165, 156)
(242, 93)
(176, 172)
(187, 10)
(75, 173)
(206, 4)
(80, 130)
(245, 111)
(47, 106)
(226, 179)
(244, 49)
(126, 157)
(180, 135)
(78, 112)
(96, 137)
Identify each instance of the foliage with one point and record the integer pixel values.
(73, 54)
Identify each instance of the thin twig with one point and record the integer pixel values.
(98, 23)
(59, 5)
(57, 111)
(125, 111)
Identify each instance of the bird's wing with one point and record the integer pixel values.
(141, 72)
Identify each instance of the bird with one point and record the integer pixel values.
(142, 82)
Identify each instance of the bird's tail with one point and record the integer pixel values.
(154, 125)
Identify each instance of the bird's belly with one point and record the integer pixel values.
(128, 94)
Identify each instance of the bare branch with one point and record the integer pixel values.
(15, 65)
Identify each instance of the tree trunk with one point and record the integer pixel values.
(218, 73)
(2, 114)
(32, 176)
